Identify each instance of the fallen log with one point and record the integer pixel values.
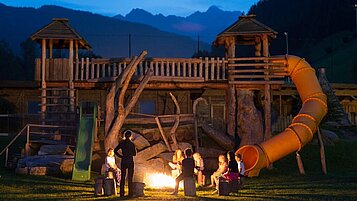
(139, 141)
(221, 138)
(210, 152)
(150, 152)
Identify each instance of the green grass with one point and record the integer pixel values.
(281, 183)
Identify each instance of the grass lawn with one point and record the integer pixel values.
(281, 183)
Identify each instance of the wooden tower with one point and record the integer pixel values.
(58, 103)
(248, 78)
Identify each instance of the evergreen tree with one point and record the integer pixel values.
(335, 112)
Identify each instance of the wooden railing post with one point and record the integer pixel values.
(212, 68)
(27, 148)
(206, 68)
(200, 74)
(6, 156)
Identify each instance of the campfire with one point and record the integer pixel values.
(159, 180)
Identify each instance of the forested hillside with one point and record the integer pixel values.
(322, 31)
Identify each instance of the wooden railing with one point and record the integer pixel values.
(258, 69)
(176, 69)
(33, 130)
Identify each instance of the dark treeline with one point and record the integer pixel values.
(306, 21)
(17, 67)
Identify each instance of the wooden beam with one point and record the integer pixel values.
(43, 78)
(162, 133)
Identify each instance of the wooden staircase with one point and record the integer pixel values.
(60, 110)
(49, 145)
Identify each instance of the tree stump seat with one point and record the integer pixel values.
(226, 187)
(189, 186)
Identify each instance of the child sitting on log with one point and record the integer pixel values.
(199, 167)
(188, 166)
(176, 163)
(111, 166)
(232, 172)
(222, 168)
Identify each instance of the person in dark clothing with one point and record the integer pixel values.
(232, 172)
(127, 163)
(188, 166)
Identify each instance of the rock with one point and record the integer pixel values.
(43, 161)
(66, 166)
(22, 170)
(330, 135)
(60, 149)
(41, 171)
(138, 190)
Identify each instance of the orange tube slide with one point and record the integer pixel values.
(303, 126)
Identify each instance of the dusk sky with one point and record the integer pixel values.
(123, 7)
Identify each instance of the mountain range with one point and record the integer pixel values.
(205, 25)
(108, 36)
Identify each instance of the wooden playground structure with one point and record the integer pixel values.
(241, 91)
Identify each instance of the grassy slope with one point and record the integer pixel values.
(281, 183)
(339, 62)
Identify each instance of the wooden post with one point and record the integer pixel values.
(267, 112)
(231, 109)
(43, 80)
(76, 46)
(51, 48)
(231, 103)
(322, 152)
(258, 47)
(195, 116)
(230, 47)
(300, 164)
(71, 84)
(265, 45)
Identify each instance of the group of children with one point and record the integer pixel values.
(184, 165)
(230, 168)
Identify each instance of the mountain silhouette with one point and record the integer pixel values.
(206, 24)
(109, 37)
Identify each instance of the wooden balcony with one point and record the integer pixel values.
(254, 70)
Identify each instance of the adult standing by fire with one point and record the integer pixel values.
(127, 163)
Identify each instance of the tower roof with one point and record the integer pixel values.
(61, 32)
(246, 28)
